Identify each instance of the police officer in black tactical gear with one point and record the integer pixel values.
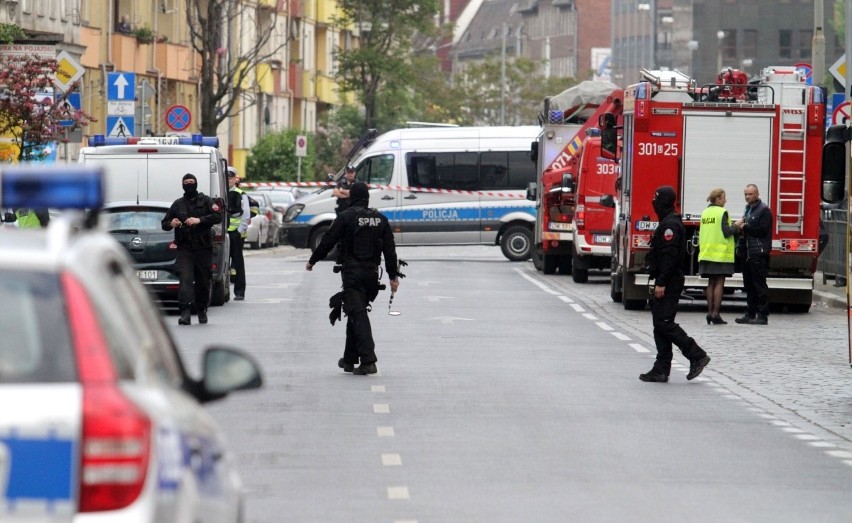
(192, 217)
(663, 263)
(364, 235)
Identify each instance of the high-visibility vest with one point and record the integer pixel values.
(712, 245)
(27, 219)
(234, 221)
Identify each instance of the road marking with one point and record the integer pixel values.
(780, 423)
(844, 454)
(823, 444)
(604, 326)
(385, 432)
(792, 430)
(590, 316)
(377, 388)
(381, 408)
(805, 437)
(638, 348)
(405, 521)
(538, 284)
(398, 493)
(439, 298)
(566, 299)
(577, 307)
(622, 337)
(390, 460)
(449, 320)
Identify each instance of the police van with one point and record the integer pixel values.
(151, 168)
(438, 186)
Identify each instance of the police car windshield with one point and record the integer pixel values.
(35, 346)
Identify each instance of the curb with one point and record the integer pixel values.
(827, 299)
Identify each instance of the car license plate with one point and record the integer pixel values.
(560, 226)
(605, 239)
(147, 275)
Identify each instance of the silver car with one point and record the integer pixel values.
(100, 420)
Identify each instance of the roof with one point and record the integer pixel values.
(483, 35)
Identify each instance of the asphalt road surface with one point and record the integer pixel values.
(504, 395)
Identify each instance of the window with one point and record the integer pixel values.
(749, 46)
(729, 46)
(496, 170)
(506, 170)
(785, 43)
(806, 38)
(376, 170)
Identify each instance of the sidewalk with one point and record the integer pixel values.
(826, 294)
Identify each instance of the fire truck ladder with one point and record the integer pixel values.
(791, 170)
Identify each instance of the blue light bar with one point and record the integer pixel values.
(55, 188)
(99, 140)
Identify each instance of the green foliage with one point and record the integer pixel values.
(144, 34)
(274, 159)
(337, 133)
(11, 32)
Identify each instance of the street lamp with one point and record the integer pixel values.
(721, 36)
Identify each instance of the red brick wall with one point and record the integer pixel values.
(594, 21)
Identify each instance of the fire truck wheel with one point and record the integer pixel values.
(579, 275)
(516, 243)
(537, 258)
(615, 285)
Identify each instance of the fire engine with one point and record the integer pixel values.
(699, 138)
(556, 152)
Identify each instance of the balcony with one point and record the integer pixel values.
(327, 90)
(177, 62)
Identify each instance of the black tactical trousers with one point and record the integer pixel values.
(754, 284)
(360, 287)
(667, 332)
(238, 262)
(193, 268)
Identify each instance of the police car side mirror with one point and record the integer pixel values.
(227, 370)
(607, 201)
(532, 191)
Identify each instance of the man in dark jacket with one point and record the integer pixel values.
(755, 230)
(664, 265)
(364, 235)
(192, 217)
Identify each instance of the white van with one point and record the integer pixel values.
(439, 186)
(151, 168)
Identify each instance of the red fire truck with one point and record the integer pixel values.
(699, 138)
(556, 152)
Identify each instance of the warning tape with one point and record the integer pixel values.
(391, 187)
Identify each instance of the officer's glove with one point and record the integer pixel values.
(336, 305)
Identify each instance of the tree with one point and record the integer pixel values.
(381, 67)
(273, 158)
(27, 110)
(338, 131)
(234, 39)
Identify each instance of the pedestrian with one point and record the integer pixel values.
(716, 252)
(192, 216)
(124, 25)
(364, 235)
(663, 262)
(755, 228)
(240, 213)
(29, 218)
(341, 189)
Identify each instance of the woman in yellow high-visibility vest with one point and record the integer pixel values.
(715, 252)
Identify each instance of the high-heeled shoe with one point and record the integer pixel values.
(717, 320)
(709, 319)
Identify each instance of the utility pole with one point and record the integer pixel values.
(503, 78)
(818, 45)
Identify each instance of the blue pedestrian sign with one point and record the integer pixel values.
(68, 104)
(120, 126)
(121, 86)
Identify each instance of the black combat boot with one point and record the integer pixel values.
(202, 315)
(185, 316)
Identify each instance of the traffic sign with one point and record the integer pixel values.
(838, 70)
(807, 70)
(301, 145)
(121, 86)
(68, 71)
(68, 104)
(119, 108)
(120, 126)
(178, 118)
(841, 114)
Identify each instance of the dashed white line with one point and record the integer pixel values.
(843, 454)
(377, 388)
(603, 325)
(590, 316)
(566, 299)
(792, 430)
(390, 460)
(577, 307)
(538, 284)
(805, 437)
(823, 444)
(385, 432)
(398, 493)
(381, 408)
(638, 348)
(622, 337)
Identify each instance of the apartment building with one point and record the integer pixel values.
(290, 89)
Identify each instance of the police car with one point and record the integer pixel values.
(100, 421)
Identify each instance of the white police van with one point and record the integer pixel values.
(438, 186)
(151, 168)
(100, 422)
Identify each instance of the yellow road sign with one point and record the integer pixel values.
(838, 70)
(68, 71)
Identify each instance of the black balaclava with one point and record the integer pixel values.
(664, 200)
(190, 191)
(359, 194)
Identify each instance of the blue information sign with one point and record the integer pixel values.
(121, 86)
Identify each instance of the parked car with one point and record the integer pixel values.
(257, 234)
(277, 201)
(138, 228)
(100, 420)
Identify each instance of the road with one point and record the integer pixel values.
(504, 395)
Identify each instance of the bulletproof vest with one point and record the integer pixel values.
(366, 243)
